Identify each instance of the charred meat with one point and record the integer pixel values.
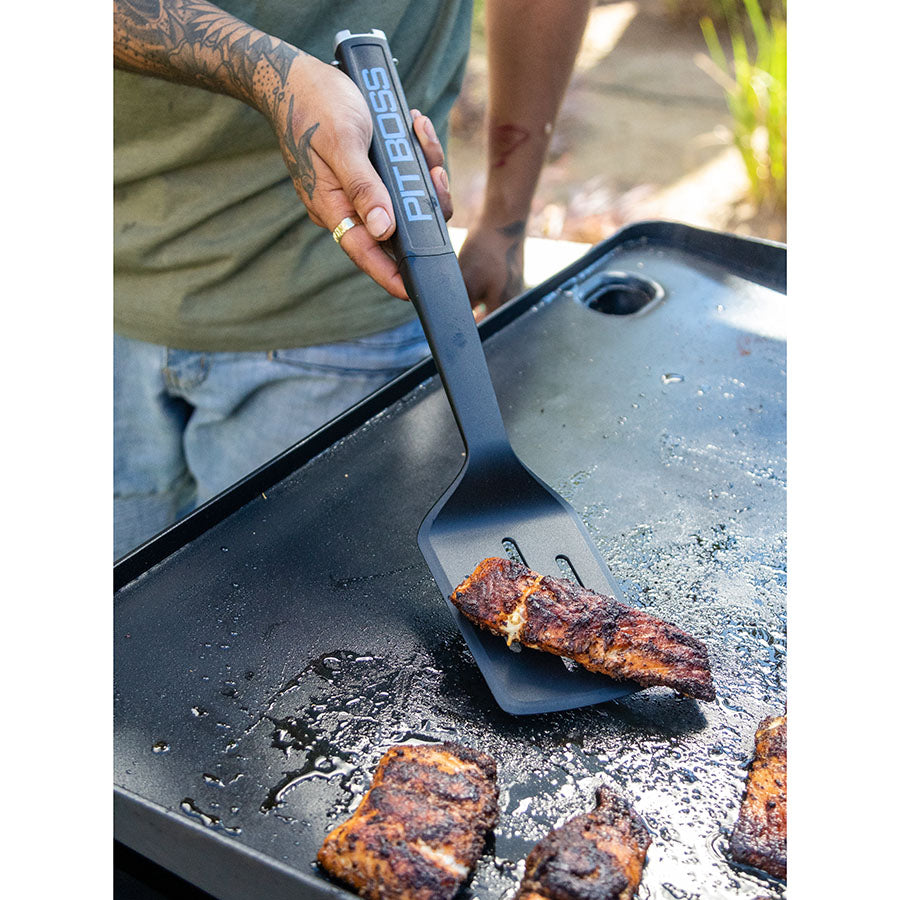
(421, 827)
(760, 837)
(596, 631)
(595, 856)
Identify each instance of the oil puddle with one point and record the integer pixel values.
(338, 716)
(190, 808)
(747, 876)
(321, 759)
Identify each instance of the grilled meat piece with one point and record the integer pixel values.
(597, 631)
(595, 856)
(760, 836)
(420, 828)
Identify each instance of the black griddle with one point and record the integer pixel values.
(272, 645)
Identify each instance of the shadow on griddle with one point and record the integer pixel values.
(659, 711)
(654, 711)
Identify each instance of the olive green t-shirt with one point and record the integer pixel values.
(213, 248)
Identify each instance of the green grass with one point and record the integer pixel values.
(689, 12)
(755, 84)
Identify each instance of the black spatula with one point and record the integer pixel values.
(496, 506)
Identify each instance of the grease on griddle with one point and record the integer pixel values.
(338, 700)
(189, 807)
(675, 757)
(322, 759)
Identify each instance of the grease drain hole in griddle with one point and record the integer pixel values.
(623, 294)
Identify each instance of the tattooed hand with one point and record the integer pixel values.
(318, 115)
(324, 128)
(491, 260)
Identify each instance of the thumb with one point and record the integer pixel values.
(367, 192)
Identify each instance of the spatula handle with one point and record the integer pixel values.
(422, 248)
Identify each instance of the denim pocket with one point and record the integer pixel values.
(185, 369)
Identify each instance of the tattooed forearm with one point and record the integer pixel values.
(514, 231)
(514, 282)
(194, 42)
(197, 43)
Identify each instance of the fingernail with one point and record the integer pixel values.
(445, 181)
(429, 129)
(479, 311)
(378, 222)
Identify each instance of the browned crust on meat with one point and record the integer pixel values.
(760, 836)
(599, 632)
(420, 828)
(493, 590)
(596, 856)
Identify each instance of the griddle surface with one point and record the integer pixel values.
(262, 669)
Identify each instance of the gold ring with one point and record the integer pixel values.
(344, 226)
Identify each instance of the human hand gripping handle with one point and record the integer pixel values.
(325, 142)
(421, 245)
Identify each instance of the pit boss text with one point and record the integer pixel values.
(404, 165)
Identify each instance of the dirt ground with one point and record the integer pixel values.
(643, 133)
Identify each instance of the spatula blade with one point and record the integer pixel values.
(453, 541)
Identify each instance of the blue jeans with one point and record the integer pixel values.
(188, 424)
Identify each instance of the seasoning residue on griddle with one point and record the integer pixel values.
(723, 582)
